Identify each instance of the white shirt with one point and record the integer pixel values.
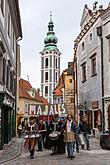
(69, 126)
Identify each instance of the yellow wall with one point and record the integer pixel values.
(69, 93)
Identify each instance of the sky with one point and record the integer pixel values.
(35, 16)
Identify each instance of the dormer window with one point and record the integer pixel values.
(32, 92)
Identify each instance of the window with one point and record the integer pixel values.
(56, 63)
(46, 76)
(46, 63)
(26, 108)
(72, 100)
(93, 65)
(70, 80)
(83, 47)
(7, 77)
(56, 77)
(83, 72)
(2, 6)
(46, 90)
(4, 71)
(90, 37)
(8, 24)
(58, 100)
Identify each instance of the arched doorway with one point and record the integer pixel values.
(109, 117)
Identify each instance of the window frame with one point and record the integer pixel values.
(93, 65)
(46, 90)
(46, 62)
(84, 74)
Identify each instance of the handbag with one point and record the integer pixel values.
(69, 136)
(81, 139)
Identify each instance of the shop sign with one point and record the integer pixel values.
(81, 106)
(52, 109)
(8, 101)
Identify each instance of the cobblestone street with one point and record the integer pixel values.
(96, 156)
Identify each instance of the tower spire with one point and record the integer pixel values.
(50, 25)
(50, 16)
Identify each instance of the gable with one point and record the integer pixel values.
(86, 15)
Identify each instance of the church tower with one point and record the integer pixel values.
(50, 63)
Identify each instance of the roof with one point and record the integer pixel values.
(25, 87)
(58, 90)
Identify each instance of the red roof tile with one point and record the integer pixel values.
(24, 87)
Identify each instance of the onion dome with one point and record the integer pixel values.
(50, 39)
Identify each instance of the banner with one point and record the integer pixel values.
(39, 109)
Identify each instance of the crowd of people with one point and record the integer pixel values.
(56, 135)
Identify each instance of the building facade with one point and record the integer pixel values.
(65, 90)
(93, 66)
(29, 97)
(10, 32)
(105, 17)
(50, 64)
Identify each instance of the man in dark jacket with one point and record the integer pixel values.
(85, 129)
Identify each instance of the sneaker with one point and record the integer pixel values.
(32, 157)
(72, 157)
(39, 150)
(68, 156)
(88, 149)
(82, 147)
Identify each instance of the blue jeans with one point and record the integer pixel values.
(86, 136)
(70, 148)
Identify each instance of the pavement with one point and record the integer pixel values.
(11, 150)
(15, 150)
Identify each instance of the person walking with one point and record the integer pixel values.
(42, 131)
(85, 130)
(69, 133)
(20, 130)
(30, 137)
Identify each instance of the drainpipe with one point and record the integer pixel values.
(99, 33)
(16, 94)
